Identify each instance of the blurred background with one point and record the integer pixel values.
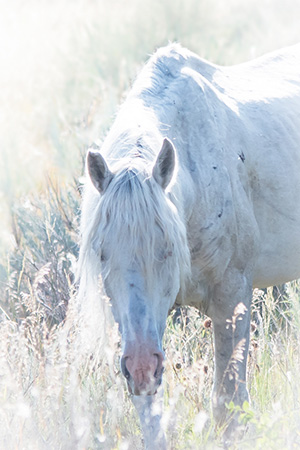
(66, 65)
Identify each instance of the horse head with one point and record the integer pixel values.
(140, 241)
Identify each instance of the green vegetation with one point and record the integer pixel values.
(65, 66)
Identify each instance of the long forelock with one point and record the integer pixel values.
(132, 211)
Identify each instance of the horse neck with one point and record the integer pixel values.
(134, 135)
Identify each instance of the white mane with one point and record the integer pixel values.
(133, 211)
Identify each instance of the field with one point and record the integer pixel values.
(64, 68)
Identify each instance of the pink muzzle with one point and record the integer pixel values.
(142, 366)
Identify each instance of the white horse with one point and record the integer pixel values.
(194, 200)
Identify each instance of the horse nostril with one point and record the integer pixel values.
(124, 369)
(159, 368)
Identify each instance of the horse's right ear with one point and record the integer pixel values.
(98, 170)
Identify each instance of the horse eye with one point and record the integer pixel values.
(167, 254)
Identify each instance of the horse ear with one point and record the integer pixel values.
(98, 170)
(165, 164)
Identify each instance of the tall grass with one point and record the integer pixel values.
(65, 67)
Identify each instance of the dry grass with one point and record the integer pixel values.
(64, 68)
(54, 397)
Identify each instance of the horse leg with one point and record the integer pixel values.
(150, 409)
(230, 313)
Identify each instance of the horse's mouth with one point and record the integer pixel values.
(145, 388)
(141, 390)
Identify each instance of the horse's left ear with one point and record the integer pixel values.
(165, 164)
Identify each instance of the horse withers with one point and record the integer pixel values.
(193, 199)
